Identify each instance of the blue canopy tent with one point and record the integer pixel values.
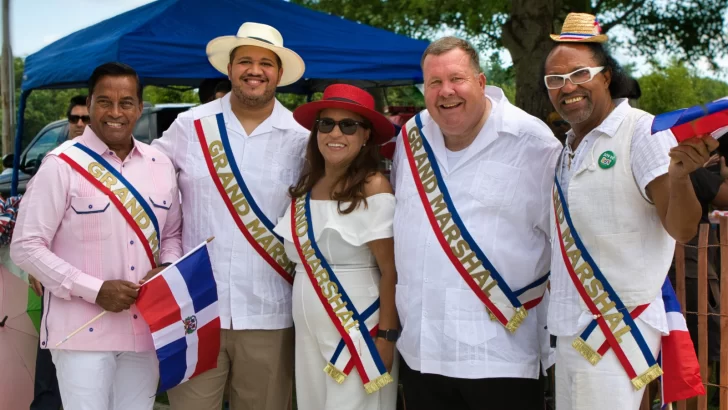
(165, 43)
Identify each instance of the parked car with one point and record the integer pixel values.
(153, 122)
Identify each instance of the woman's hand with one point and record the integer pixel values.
(386, 352)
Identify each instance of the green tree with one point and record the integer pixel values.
(685, 28)
(498, 75)
(162, 95)
(676, 86)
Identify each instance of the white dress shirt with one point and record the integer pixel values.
(649, 160)
(501, 187)
(251, 294)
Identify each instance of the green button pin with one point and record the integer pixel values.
(607, 159)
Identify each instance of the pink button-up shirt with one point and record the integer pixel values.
(72, 238)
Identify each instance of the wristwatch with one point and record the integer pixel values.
(390, 335)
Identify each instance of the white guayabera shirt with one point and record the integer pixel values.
(501, 187)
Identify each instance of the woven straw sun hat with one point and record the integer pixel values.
(259, 35)
(580, 28)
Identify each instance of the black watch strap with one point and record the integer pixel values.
(390, 335)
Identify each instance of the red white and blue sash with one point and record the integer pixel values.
(130, 203)
(251, 221)
(341, 310)
(617, 329)
(506, 306)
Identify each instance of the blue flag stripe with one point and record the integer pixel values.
(669, 297)
(172, 364)
(197, 273)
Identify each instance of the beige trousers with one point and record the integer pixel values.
(259, 366)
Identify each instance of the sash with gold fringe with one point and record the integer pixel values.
(618, 330)
(251, 221)
(340, 308)
(506, 306)
(130, 203)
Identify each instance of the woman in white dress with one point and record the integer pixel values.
(338, 231)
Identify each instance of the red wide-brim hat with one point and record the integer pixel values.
(347, 97)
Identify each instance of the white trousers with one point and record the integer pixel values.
(315, 390)
(106, 380)
(581, 386)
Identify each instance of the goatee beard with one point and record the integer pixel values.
(254, 101)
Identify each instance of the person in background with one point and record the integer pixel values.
(77, 115)
(711, 188)
(558, 125)
(222, 88)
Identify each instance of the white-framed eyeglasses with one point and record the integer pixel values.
(580, 76)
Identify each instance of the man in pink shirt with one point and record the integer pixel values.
(99, 216)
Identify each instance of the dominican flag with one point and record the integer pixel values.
(681, 371)
(180, 306)
(686, 123)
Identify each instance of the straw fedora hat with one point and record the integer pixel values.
(351, 98)
(580, 28)
(259, 35)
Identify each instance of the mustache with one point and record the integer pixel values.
(254, 77)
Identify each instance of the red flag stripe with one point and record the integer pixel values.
(157, 305)
(208, 347)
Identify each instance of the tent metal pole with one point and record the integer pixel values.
(18, 142)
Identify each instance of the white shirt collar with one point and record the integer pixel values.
(281, 118)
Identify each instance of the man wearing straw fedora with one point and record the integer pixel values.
(471, 237)
(101, 212)
(236, 157)
(620, 196)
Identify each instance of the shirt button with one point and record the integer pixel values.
(111, 152)
(424, 313)
(132, 268)
(135, 316)
(427, 280)
(90, 329)
(42, 343)
(154, 159)
(131, 242)
(90, 206)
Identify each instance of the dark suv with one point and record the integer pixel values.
(153, 122)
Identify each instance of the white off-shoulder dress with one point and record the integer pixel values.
(342, 240)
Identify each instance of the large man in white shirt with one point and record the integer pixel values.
(471, 229)
(621, 197)
(236, 157)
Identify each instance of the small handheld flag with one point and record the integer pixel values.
(180, 306)
(690, 122)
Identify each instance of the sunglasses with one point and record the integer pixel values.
(73, 119)
(347, 125)
(580, 76)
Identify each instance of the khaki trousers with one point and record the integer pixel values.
(259, 366)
